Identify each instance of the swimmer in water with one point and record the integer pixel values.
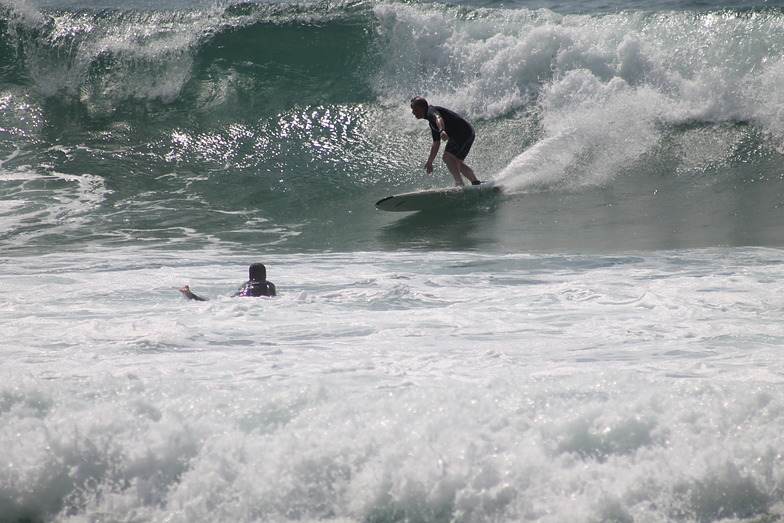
(257, 285)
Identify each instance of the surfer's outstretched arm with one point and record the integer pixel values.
(186, 291)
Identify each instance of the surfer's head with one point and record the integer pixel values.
(419, 107)
(257, 272)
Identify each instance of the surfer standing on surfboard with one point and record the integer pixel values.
(459, 135)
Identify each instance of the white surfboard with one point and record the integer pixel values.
(434, 198)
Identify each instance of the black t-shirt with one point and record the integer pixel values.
(455, 126)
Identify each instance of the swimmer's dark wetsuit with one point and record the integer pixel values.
(255, 288)
(461, 134)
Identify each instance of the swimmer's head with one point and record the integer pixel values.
(257, 272)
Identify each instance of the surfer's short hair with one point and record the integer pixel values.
(418, 101)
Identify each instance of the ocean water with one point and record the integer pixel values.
(600, 342)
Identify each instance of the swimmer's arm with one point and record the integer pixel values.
(186, 291)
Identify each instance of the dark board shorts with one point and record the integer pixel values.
(460, 148)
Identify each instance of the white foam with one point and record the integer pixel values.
(475, 385)
(58, 200)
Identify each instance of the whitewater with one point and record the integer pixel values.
(601, 342)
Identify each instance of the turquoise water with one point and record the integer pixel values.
(280, 125)
(599, 342)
